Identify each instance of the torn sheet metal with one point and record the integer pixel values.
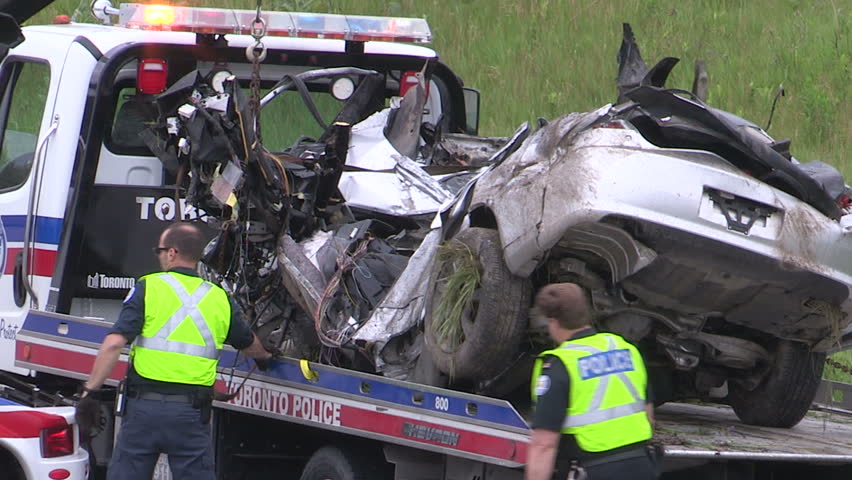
(459, 149)
(405, 304)
(386, 193)
(403, 131)
(414, 175)
(368, 147)
(300, 277)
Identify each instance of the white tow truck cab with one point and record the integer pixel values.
(83, 200)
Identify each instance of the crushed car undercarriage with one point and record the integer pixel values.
(389, 245)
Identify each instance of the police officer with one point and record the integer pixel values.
(177, 324)
(593, 412)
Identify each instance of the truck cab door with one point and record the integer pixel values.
(27, 241)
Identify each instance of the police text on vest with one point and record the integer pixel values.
(605, 363)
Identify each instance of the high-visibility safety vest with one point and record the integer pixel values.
(606, 405)
(186, 323)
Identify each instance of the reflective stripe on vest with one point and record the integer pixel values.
(595, 414)
(189, 308)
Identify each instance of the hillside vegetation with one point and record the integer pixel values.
(545, 58)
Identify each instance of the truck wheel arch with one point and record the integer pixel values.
(11, 465)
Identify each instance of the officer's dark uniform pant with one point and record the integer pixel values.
(151, 427)
(636, 464)
(638, 468)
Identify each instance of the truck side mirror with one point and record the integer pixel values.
(471, 109)
(10, 34)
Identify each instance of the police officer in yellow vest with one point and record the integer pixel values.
(177, 324)
(593, 410)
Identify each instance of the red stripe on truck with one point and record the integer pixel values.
(434, 434)
(61, 359)
(43, 261)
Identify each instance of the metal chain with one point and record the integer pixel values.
(256, 53)
(843, 368)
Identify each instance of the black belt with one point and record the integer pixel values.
(164, 397)
(616, 457)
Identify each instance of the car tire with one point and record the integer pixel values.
(784, 396)
(494, 322)
(333, 463)
(10, 467)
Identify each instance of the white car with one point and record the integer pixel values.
(40, 443)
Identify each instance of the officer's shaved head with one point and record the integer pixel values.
(186, 238)
(566, 302)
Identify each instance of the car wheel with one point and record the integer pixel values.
(333, 463)
(786, 393)
(492, 322)
(9, 466)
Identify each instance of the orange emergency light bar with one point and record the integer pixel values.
(279, 24)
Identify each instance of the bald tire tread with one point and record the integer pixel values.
(493, 335)
(786, 394)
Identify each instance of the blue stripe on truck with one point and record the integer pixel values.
(332, 379)
(47, 229)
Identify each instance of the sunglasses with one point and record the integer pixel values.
(157, 250)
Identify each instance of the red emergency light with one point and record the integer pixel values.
(151, 76)
(408, 80)
(277, 24)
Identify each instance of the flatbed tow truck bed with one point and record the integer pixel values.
(693, 431)
(431, 420)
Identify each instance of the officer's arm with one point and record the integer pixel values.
(106, 360)
(242, 338)
(256, 350)
(649, 403)
(541, 455)
(552, 392)
(649, 411)
(124, 331)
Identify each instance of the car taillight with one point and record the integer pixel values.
(57, 441)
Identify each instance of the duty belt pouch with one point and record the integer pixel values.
(121, 397)
(576, 472)
(203, 400)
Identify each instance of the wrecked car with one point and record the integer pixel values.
(698, 237)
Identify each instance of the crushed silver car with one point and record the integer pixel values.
(697, 235)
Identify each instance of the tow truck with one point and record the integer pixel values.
(82, 198)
